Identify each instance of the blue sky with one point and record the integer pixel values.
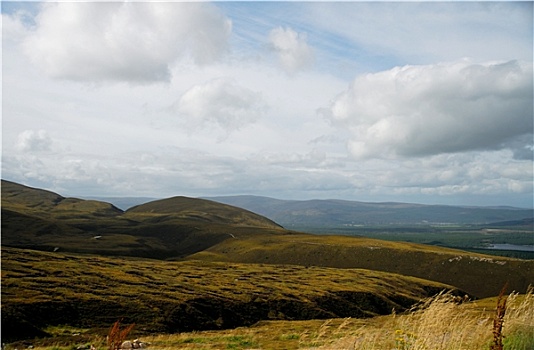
(425, 102)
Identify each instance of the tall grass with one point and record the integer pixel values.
(442, 323)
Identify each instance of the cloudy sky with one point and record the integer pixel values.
(427, 102)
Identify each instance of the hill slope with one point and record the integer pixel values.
(41, 288)
(179, 226)
(331, 213)
(203, 210)
(183, 228)
(478, 274)
(42, 203)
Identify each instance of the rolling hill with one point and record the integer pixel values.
(203, 210)
(181, 228)
(478, 274)
(211, 266)
(174, 227)
(335, 213)
(42, 288)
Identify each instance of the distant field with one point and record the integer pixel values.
(474, 238)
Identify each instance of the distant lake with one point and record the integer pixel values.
(506, 246)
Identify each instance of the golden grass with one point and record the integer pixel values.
(441, 323)
(162, 296)
(476, 274)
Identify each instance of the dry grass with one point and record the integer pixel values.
(498, 321)
(442, 323)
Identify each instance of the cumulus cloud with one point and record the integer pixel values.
(34, 141)
(441, 108)
(292, 49)
(13, 28)
(130, 41)
(220, 102)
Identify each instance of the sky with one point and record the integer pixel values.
(425, 102)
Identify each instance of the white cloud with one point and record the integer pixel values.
(433, 109)
(220, 102)
(427, 120)
(13, 28)
(292, 49)
(34, 141)
(130, 41)
(464, 178)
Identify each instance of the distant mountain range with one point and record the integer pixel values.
(336, 213)
(344, 213)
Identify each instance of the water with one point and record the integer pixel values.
(506, 246)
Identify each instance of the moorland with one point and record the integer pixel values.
(185, 264)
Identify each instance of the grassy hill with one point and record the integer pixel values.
(174, 227)
(181, 228)
(478, 274)
(332, 213)
(213, 266)
(40, 289)
(203, 210)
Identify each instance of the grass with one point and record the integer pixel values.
(477, 274)
(236, 274)
(47, 289)
(466, 237)
(443, 322)
(184, 228)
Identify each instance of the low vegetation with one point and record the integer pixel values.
(442, 322)
(41, 289)
(476, 238)
(182, 228)
(204, 275)
(477, 274)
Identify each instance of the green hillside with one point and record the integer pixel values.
(174, 227)
(478, 274)
(42, 288)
